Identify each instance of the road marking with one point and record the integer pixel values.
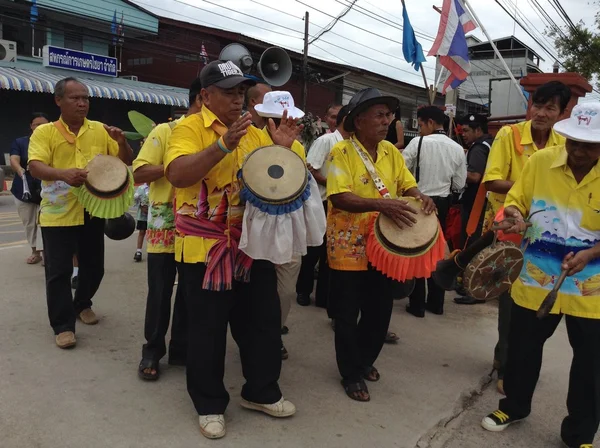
(11, 224)
(11, 247)
(12, 231)
(13, 243)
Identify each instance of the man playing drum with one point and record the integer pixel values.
(563, 183)
(58, 155)
(221, 284)
(355, 187)
(148, 168)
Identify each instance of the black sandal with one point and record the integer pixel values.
(371, 374)
(146, 364)
(351, 388)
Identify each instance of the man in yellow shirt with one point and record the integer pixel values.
(362, 170)
(221, 284)
(58, 155)
(563, 184)
(148, 168)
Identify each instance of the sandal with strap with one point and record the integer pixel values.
(391, 337)
(148, 364)
(371, 374)
(352, 388)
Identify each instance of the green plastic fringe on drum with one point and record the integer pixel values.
(106, 207)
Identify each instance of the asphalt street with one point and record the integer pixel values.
(12, 234)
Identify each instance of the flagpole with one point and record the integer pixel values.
(517, 85)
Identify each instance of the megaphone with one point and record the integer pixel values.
(239, 55)
(275, 66)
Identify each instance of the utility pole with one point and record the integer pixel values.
(305, 64)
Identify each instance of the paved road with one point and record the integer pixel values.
(12, 234)
(91, 397)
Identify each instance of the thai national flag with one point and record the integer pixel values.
(204, 54)
(451, 44)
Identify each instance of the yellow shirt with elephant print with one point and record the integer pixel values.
(59, 206)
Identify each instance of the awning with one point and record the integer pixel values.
(113, 88)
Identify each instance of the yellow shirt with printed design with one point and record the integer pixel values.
(217, 195)
(506, 163)
(568, 221)
(296, 146)
(59, 206)
(347, 232)
(160, 235)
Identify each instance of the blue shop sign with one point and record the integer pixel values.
(77, 60)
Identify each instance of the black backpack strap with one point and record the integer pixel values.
(418, 169)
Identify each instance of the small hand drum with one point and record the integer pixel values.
(412, 252)
(108, 190)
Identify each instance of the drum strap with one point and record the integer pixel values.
(63, 131)
(383, 191)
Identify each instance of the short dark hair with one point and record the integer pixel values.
(434, 113)
(475, 121)
(195, 90)
(249, 94)
(330, 105)
(38, 115)
(344, 111)
(553, 90)
(61, 86)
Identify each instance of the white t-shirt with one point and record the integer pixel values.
(318, 153)
(443, 165)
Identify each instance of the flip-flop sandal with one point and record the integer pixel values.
(371, 374)
(34, 259)
(391, 337)
(146, 364)
(352, 387)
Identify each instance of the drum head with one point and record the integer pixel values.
(415, 238)
(275, 174)
(493, 270)
(106, 174)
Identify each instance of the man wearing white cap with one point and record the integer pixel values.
(272, 108)
(563, 182)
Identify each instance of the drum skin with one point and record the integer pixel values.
(106, 174)
(493, 270)
(275, 174)
(119, 228)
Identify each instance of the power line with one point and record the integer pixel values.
(333, 23)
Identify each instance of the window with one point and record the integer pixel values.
(73, 38)
(30, 41)
(189, 57)
(139, 61)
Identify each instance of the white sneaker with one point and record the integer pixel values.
(282, 408)
(212, 426)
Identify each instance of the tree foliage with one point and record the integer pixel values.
(579, 48)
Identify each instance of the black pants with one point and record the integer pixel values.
(358, 342)
(306, 277)
(254, 313)
(60, 244)
(161, 277)
(526, 343)
(431, 297)
(505, 304)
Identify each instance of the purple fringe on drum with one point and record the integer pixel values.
(275, 209)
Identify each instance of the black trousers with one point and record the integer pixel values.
(254, 313)
(162, 270)
(432, 296)
(505, 304)
(526, 343)
(358, 342)
(60, 244)
(306, 277)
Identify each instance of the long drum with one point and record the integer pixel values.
(411, 252)
(108, 189)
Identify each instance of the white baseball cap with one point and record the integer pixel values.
(274, 103)
(583, 125)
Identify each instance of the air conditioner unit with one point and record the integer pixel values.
(131, 77)
(8, 51)
(415, 123)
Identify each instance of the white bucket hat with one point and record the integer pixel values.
(274, 103)
(583, 125)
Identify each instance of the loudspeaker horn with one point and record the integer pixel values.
(239, 55)
(275, 66)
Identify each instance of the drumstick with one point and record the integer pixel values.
(467, 254)
(550, 299)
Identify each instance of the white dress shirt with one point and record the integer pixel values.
(318, 154)
(442, 167)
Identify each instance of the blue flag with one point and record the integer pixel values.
(113, 28)
(33, 12)
(412, 50)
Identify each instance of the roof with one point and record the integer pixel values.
(499, 41)
(112, 88)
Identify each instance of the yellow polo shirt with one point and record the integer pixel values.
(347, 232)
(505, 163)
(296, 146)
(217, 195)
(59, 206)
(160, 235)
(569, 222)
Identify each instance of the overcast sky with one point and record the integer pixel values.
(375, 47)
